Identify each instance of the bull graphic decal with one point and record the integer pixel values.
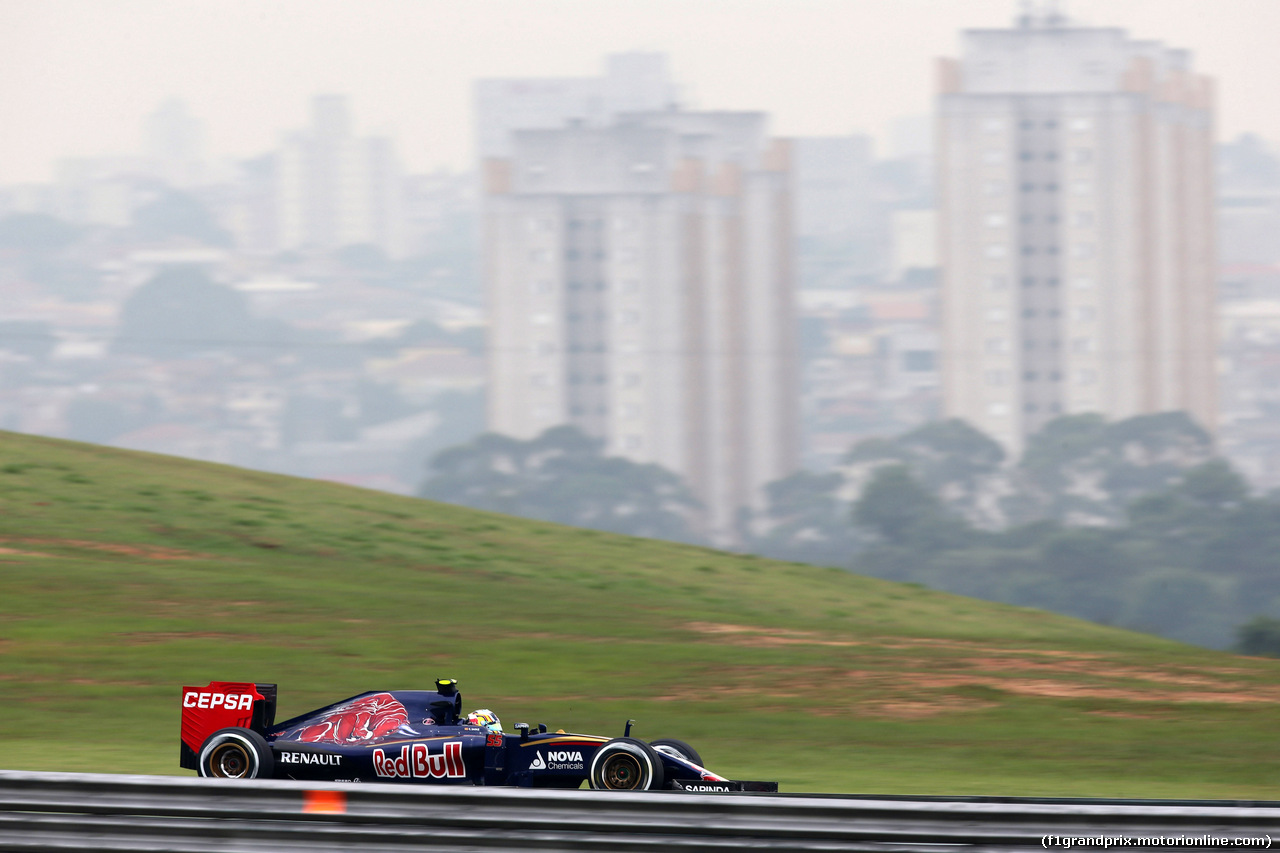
(365, 719)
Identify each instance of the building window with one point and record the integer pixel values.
(1086, 377)
(628, 318)
(1081, 187)
(632, 442)
(631, 380)
(541, 380)
(995, 250)
(1082, 250)
(993, 156)
(1082, 219)
(1082, 282)
(994, 220)
(998, 409)
(997, 282)
(1028, 281)
(541, 286)
(997, 315)
(1081, 123)
(993, 125)
(993, 188)
(630, 285)
(540, 256)
(996, 378)
(1081, 155)
(1085, 313)
(627, 255)
(997, 345)
(544, 348)
(542, 318)
(1084, 344)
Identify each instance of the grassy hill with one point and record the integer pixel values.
(124, 576)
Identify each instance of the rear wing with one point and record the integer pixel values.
(220, 705)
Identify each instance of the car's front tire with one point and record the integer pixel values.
(236, 753)
(626, 764)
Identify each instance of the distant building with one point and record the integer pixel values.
(834, 213)
(334, 189)
(1076, 205)
(175, 142)
(640, 286)
(1248, 202)
(913, 236)
(632, 82)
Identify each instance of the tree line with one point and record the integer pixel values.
(1134, 523)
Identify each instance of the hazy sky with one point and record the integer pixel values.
(80, 75)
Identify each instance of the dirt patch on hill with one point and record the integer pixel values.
(146, 552)
(16, 553)
(921, 685)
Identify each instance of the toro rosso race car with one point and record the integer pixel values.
(420, 736)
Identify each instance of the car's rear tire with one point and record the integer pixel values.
(236, 753)
(626, 764)
(678, 748)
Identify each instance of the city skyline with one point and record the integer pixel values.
(94, 72)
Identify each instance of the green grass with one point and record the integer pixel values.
(124, 576)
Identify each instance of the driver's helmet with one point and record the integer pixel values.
(485, 717)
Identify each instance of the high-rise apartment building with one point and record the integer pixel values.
(335, 189)
(1076, 204)
(640, 286)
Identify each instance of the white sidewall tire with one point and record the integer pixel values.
(255, 763)
(644, 755)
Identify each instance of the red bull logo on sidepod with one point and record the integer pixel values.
(417, 762)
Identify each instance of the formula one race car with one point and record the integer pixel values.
(423, 736)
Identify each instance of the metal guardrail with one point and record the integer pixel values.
(72, 811)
